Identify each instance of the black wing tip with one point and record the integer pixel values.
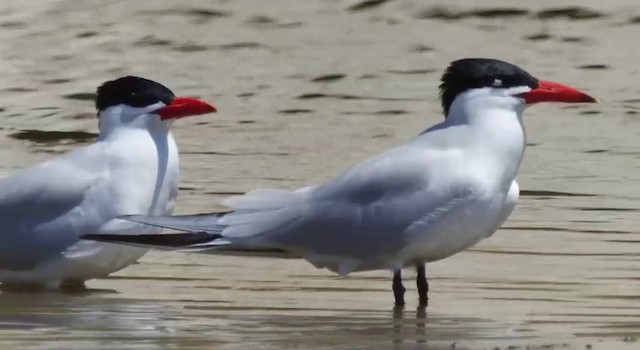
(135, 217)
(175, 240)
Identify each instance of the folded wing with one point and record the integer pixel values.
(33, 206)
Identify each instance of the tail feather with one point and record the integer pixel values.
(260, 213)
(260, 199)
(257, 225)
(197, 223)
(171, 240)
(195, 242)
(222, 247)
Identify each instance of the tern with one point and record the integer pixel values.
(439, 194)
(132, 168)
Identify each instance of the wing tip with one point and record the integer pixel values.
(142, 216)
(174, 240)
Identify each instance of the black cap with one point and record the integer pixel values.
(472, 73)
(132, 91)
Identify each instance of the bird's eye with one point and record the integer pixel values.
(497, 82)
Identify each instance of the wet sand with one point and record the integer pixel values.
(304, 90)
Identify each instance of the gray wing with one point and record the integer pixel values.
(360, 213)
(34, 203)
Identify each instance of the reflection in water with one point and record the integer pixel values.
(401, 326)
(89, 317)
(107, 318)
(421, 317)
(45, 308)
(398, 315)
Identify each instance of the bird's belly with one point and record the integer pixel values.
(87, 263)
(448, 235)
(455, 232)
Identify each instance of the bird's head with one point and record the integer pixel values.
(142, 103)
(492, 83)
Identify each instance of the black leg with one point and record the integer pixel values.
(398, 288)
(423, 285)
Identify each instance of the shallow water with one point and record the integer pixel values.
(304, 89)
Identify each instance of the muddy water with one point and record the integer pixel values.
(305, 89)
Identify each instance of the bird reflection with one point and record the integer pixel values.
(402, 325)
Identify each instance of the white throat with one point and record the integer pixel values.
(493, 118)
(486, 105)
(123, 117)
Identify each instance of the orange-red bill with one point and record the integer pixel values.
(548, 91)
(182, 107)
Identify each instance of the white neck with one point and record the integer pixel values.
(493, 119)
(144, 157)
(122, 117)
(485, 104)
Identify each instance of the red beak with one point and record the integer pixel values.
(182, 107)
(549, 91)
